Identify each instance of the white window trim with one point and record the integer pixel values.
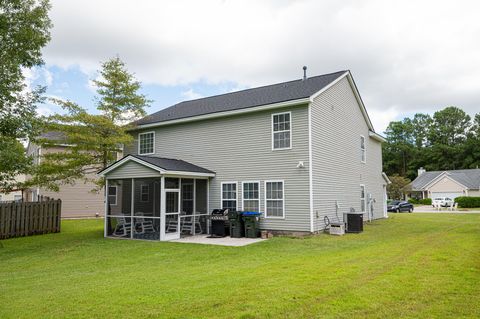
(141, 193)
(363, 151)
(116, 194)
(363, 198)
(144, 133)
(221, 193)
(291, 132)
(283, 199)
(243, 195)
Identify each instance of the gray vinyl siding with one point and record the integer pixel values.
(337, 171)
(132, 170)
(239, 148)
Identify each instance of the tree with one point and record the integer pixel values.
(94, 139)
(448, 133)
(395, 189)
(450, 126)
(24, 30)
(399, 148)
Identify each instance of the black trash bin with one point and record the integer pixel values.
(354, 223)
(237, 226)
(252, 224)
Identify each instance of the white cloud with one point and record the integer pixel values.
(191, 95)
(44, 111)
(381, 118)
(48, 76)
(410, 56)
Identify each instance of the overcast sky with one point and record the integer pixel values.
(406, 56)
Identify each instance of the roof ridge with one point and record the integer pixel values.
(258, 87)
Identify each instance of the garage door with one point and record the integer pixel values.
(449, 195)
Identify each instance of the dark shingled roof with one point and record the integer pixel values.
(281, 92)
(170, 164)
(467, 177)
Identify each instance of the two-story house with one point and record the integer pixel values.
(296, 152)
(78, 199)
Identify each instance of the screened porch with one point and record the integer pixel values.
(135, 206)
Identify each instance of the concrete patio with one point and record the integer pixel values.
(224, 241)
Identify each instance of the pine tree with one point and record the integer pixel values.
(94, 140)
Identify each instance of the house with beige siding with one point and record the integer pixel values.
(78, 199)
(450, 183)
(295, 152)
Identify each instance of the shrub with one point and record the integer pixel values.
(426, 201)
(468, 202)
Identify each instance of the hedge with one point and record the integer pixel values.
(468, 202)
(426, 201)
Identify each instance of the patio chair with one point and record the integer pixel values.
(188, 225)
(454, 207)
(123, 228)
(172, 226)
(143, 226)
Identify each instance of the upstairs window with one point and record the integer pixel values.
(363, 151)
(281, 131)
(146, 143)
(229, 196)
(251, 196)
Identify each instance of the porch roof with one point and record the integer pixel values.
(162, 165)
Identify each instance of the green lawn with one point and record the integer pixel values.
(411, 265)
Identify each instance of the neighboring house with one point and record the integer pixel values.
(78, 200)
(296, 152)
(15, 195)
(452, 184)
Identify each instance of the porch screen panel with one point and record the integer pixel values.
(201, 196)
(147, 197)
(187, 196)
(119, 199)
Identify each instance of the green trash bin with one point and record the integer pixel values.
(237, 229)
(252, 224)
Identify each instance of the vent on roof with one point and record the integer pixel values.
(304, 73)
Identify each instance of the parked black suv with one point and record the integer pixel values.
(398, 206)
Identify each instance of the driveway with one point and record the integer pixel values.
(430, 209)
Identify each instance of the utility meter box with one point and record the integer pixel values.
(337, 229)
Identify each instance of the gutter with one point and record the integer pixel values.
(377, 137)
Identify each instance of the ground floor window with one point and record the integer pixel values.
(274, 199)
(251, 196)
(112, 195)
(229, 195)
(362, 198)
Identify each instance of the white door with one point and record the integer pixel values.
(451, 195)
(172, 214)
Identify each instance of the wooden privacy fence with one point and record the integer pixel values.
(30, 218)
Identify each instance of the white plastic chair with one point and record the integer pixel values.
(123, 228)
(454, 207)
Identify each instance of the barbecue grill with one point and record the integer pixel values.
(219, 223)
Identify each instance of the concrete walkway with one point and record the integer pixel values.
(430, 209)
(224, 241)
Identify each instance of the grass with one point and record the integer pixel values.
(411, 266)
